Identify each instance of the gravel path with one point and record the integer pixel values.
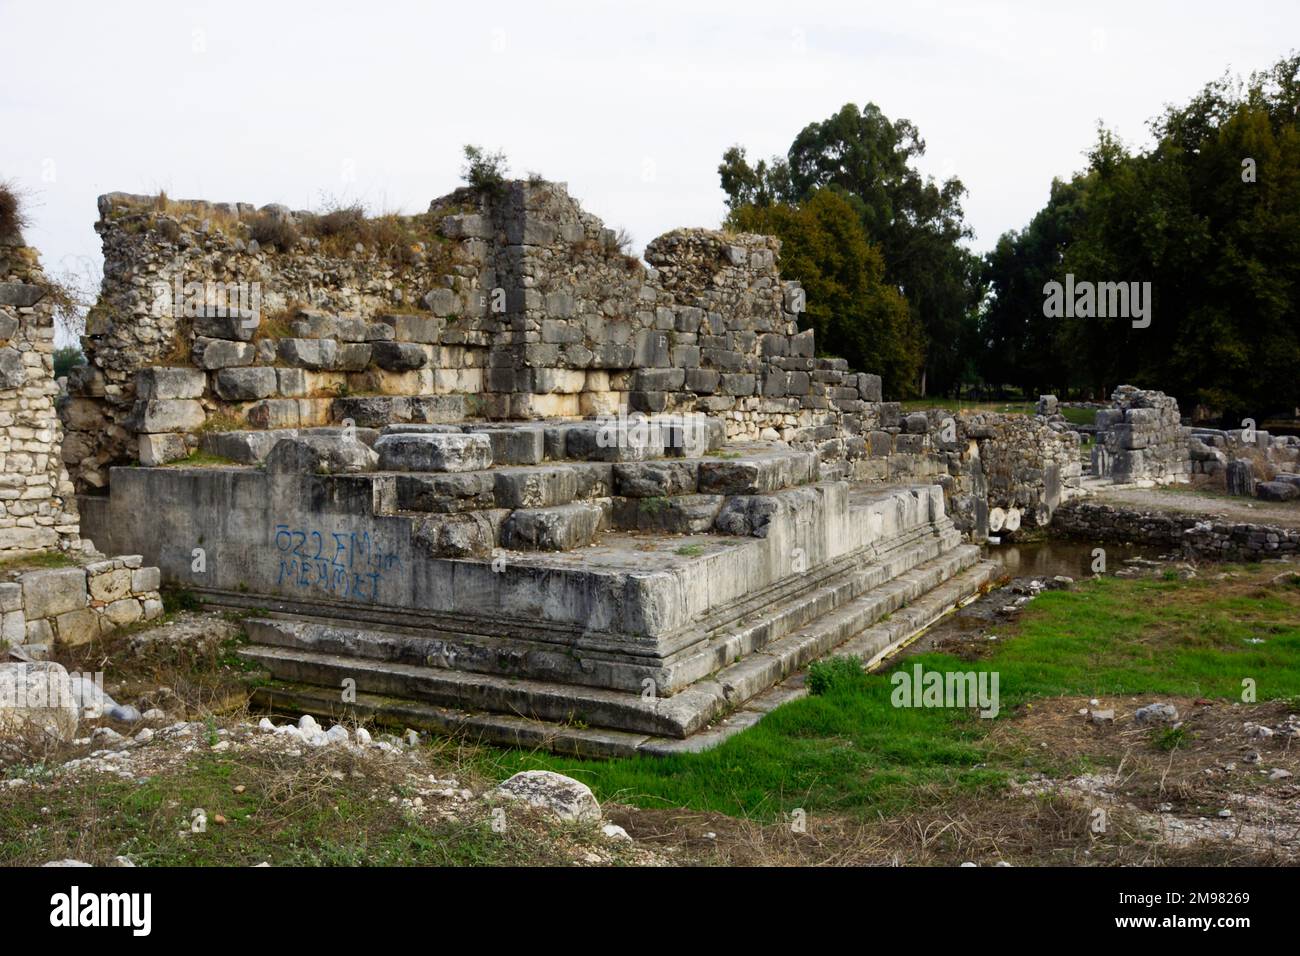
(1190, 502)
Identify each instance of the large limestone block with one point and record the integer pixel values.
(564, 798)
(515, 444)
(170, 383)
(656, 479)
(246, 384)
(37, 698)
(161, 449)
(562, 528)
(333, 454)
(168, 415)
(53, 591)
(77, 627)
(434, 452)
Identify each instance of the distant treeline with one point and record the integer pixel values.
(1209, 216)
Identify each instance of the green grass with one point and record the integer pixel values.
(300, 817)
(42, 559)
(199, 459)
(848, 749)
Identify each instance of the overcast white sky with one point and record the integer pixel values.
(632, 104)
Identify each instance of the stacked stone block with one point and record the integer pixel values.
(73, 605)
(1141, 439)
(37, 511)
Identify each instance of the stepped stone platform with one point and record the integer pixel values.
(595, 587)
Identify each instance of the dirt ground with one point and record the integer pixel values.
(1204, 503)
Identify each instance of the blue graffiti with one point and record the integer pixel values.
(342, 564)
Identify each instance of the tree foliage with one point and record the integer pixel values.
(1221, 251)
(856, 314)
(916, 223)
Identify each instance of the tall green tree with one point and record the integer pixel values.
(917, 223)
(857, 315)
(1210, 216)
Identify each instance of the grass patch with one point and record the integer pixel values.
(197, 459)
(332, 810)
(846, 748)
(34, 562)
(691, 550)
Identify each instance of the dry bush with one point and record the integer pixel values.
(269, 229)
(12, 218)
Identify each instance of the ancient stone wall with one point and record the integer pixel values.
(37, 510)
(1141, 439)
(1192, 535)
(75, 605)
(513, 304)
(502, 304)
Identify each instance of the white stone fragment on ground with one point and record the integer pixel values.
(1156, 714)
(363, 737)
(338, 734)
(65, 863)
(613, 831)
(153, 713)
(265, 725)
(568, 800)
(307, 721)
(37, 696)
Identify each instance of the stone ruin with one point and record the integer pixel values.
(96, 594)
(37, 508)
(1141, 439)
(513, 482)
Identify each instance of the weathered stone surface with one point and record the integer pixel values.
(1277, 491)
(166, 415)
(161, 449)
(169, 383)
(53, 591)
(110, 585)
(564, 798)
(37, 697)
(466, 535)
(515, 444)
(321, 454)
(13, 374)
(220, 353)
(537, 487)
(653, 479)
(404, 451)
(245, 384)
(399, 356)
(313, 354)
(77, 627)
(683, 514)
(561, 528)
(1240, 477)
(446, 492)
(20, 295)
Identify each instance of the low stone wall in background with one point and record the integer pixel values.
(1195, 536)
(1141, 439)
(73, 605)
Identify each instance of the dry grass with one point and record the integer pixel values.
(12, 218)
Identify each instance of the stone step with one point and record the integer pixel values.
(752, 656)
(573, 720)
(559, 528)
(746, 623)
